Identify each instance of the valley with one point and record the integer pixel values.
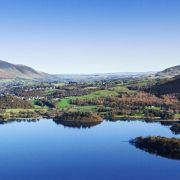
(87, 102)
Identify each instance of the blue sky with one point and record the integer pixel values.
(88, 36)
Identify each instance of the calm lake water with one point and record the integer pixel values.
(45, 150)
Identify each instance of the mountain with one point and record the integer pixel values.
(169, 72)
(171, 86)
(16, 71)
(13, 71)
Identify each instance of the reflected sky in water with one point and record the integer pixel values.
(45, 150)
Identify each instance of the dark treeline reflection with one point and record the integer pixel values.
(176, 128)
(18, 120)
(73, 124)
(161, 146)
(76, 124)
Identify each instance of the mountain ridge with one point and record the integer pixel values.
(18, 71)
(169, 72)
(13, 71)
(170, 86)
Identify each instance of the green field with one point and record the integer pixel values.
(66, 102)
(177, 115)
(136, 116)
(85, 107)
(121, 89)
(17, 110)
(96, 94)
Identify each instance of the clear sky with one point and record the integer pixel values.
(87, 36)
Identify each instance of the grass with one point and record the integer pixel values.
(8, 112)
(146, 82)
(17, 110)
(66, 102)
(59, 84)
(86, 107)
(103, 93)
(121, 89)
(6, 80)
(136, 116)
(49, 92)
(177, 115)
(143, 83)
(96, 94)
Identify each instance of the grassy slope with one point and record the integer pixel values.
(66, 102)
(136, 116)
(178, 116)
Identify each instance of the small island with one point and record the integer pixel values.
(78, 119)
(161, 146)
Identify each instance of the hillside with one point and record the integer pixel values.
(171, 86)
(169, 72)
(12, 71)
(11, 102)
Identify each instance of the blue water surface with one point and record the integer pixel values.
(45, 150)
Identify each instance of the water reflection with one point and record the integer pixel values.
(159, 149)
(176, 128)
(44, 150)
(18, 120)
(73, 124)
(77, 124)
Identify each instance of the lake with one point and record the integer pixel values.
(46, 150)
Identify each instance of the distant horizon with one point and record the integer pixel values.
(85, 37)
(93, 73)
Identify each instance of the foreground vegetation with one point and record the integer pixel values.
(112, 99)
